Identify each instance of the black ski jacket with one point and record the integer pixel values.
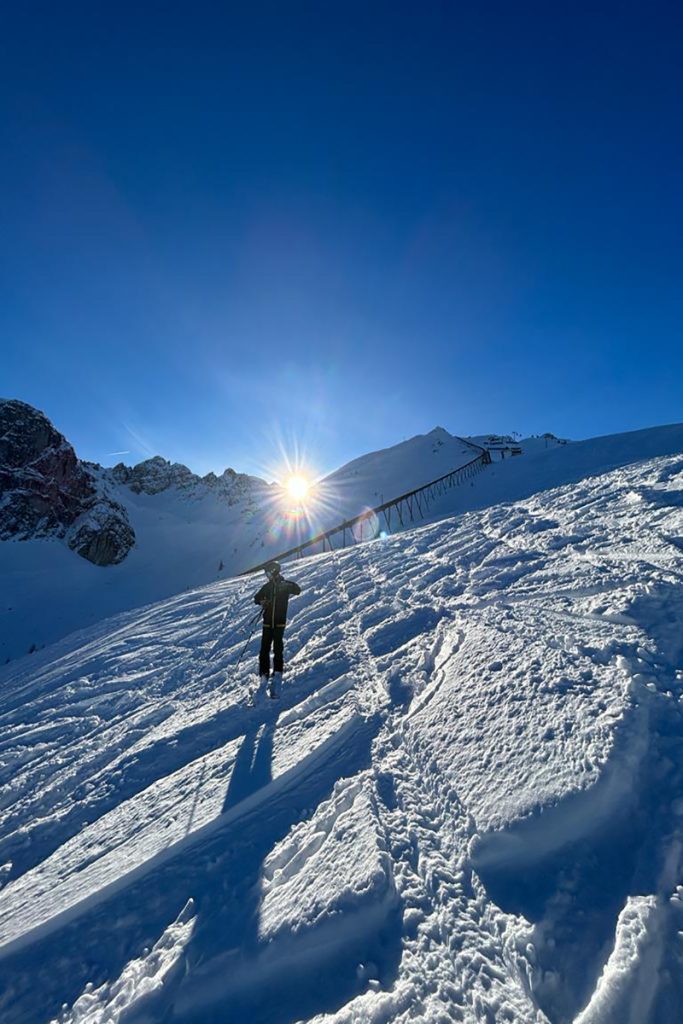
(274, 596)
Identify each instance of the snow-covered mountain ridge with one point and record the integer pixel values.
(158, 474)
(190, 530)
(468, 805)
(153, 529)
(372, 479)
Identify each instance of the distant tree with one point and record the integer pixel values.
(221, 566)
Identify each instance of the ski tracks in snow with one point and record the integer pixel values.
(423, 830)
(370, 694)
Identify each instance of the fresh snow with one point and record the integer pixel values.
(372, 479)
(185, 533)
(466, 806)
(191, 531)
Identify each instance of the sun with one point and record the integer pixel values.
(298, 488)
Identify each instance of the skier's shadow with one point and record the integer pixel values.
(253, 768)
(228, 929)
(226, 970)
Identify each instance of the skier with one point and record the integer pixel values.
(274, 598)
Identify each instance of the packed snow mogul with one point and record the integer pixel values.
(274, 598)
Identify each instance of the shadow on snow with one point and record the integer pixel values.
(223, 875)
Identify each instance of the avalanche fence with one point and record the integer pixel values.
(368, 525)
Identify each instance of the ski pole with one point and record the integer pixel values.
(244, 649)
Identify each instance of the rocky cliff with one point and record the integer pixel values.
(157, 474)
(45, 490)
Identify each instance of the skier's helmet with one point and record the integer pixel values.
(272, 570)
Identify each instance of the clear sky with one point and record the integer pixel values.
(226, 227)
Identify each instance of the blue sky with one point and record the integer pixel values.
(332, 226)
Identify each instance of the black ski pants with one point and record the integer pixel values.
(272, 636)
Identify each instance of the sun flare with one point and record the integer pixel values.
(298, 488)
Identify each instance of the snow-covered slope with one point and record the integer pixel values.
(380, 476)
(541, 467)
(191, 531)
(78, 542)
(182, 539)
(467, 806)
(188, 531)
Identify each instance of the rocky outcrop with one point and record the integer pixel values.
(42, 485)
(154, 475)
(157, 474)
(102, 534)
(233, 487)
(46, 491)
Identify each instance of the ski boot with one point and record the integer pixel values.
(260, 690)
(275, 685)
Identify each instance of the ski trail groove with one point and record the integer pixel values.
(369, 692)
